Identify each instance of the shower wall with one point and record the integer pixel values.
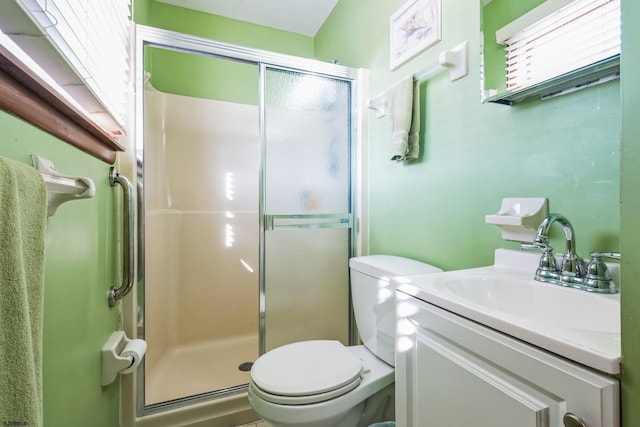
(201, 212)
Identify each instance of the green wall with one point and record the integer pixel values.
(198, 76)
(566, 149)
(629, 217)
(78, 272)
(494, 16)
(169, 17)
(202, 76)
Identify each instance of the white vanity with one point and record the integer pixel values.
(490, 347)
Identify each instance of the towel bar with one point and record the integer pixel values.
(454, 60)
(62, 188)
(128, 215)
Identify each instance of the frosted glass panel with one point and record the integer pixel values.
(307, 135)
(307, 208)
(306, 286)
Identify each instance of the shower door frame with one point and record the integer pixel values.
(154, 37)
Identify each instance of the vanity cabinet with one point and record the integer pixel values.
(453, 372)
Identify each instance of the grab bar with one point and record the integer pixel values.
(128, 215)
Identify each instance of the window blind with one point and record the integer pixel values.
(93, 38)
(580, 34)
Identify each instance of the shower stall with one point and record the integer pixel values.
(246, 177)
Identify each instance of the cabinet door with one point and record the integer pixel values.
(451, 372)
(455, 388)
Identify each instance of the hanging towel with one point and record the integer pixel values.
(404, 113)
(23, 210)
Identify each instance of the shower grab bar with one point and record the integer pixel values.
(290, 221)
(128, 215)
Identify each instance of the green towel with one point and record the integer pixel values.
(23, 210)
(403, 101)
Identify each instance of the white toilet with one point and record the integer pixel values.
(325, 384)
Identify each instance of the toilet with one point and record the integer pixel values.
(322, 383)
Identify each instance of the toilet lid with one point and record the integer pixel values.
(306, 368)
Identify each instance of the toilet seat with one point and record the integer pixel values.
(304, 400)
(306, 372)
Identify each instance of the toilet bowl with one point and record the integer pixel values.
(322, 383)
(342, 410)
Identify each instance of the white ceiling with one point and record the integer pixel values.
(297, 16)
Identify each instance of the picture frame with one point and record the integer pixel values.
(413, 28)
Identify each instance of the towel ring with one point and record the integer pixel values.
(128, 214)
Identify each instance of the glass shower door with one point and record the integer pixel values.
(199, 169)
(306, 207)
(245, 227)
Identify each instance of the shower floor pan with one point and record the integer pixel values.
(189, 370)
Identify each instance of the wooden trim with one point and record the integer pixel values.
(25, 95)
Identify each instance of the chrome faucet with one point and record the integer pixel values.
(573, 270)
(572, 267)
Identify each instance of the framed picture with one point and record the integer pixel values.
(412, 29)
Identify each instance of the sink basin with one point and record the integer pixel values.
(535, 302)
(579, 325)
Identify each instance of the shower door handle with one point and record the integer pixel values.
(128, 215)
(279, 222)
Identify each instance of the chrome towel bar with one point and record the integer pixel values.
(128, 215)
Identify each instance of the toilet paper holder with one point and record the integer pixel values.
(121, 355)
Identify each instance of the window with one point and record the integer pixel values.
(560, 46)
(81, 47)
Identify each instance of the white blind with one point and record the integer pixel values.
(93, 36)
(575, 36)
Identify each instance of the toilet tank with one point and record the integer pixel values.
(373, 296)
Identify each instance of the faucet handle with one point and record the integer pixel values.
(529, 247)
(611, 255)
(572, 270)
(597, 277)
(547, 270)
(536, 245)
